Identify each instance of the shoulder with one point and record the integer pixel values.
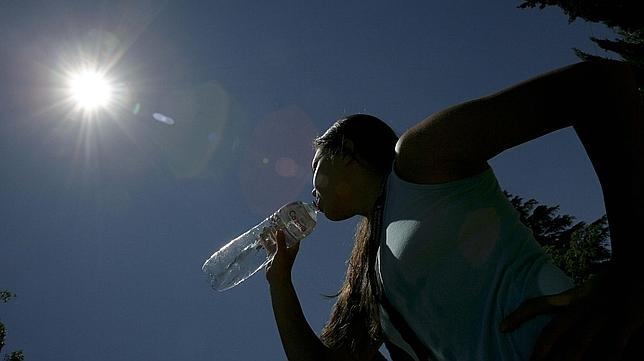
(419, 163)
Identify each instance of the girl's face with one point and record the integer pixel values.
(331, 186)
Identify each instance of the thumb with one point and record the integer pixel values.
(278, 236)
(533, 307)
(280, 240)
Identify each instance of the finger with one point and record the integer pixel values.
(530, 309)
(537, 306)
(599, 333)
(268, 241)
(279, 235)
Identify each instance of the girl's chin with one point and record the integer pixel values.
(329, 215)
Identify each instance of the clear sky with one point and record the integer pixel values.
(105, 223)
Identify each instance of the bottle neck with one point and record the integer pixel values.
(311, 209)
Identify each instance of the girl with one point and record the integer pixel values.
(442, 268)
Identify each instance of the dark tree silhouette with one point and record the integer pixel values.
(580, 249)
(5, 296)
(623, 16)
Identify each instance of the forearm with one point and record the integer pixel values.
(600, 101)
(298, 339)
(613, 136)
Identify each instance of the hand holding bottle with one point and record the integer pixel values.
(279, 269)
(251, 251)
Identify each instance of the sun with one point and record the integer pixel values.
(90, 90)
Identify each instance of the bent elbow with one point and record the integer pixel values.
(609, 71)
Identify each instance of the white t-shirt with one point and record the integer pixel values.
(454, 260)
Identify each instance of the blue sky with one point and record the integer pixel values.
(105, 223)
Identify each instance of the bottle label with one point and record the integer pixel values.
(297, 220)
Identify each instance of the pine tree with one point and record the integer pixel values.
(579, 249)
(5, 296)
(623, 16)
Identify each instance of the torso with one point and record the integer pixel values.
(453, 260)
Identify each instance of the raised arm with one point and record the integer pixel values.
(599, 99)
(475, 131)
(298, 339)
(602, 318)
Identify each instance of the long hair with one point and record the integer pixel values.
(355, 318)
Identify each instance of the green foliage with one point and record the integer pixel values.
(15, 356)
(623, 16)
(3, 335)
(5, 296)
(580, 249)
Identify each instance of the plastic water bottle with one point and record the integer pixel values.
(248, 253)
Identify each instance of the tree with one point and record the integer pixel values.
(5, 296)
(622, 16)
(580, 249)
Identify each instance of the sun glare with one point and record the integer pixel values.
(90, 90)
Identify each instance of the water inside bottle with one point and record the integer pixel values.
(238, 270)
(241, 267)
(247, 254)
